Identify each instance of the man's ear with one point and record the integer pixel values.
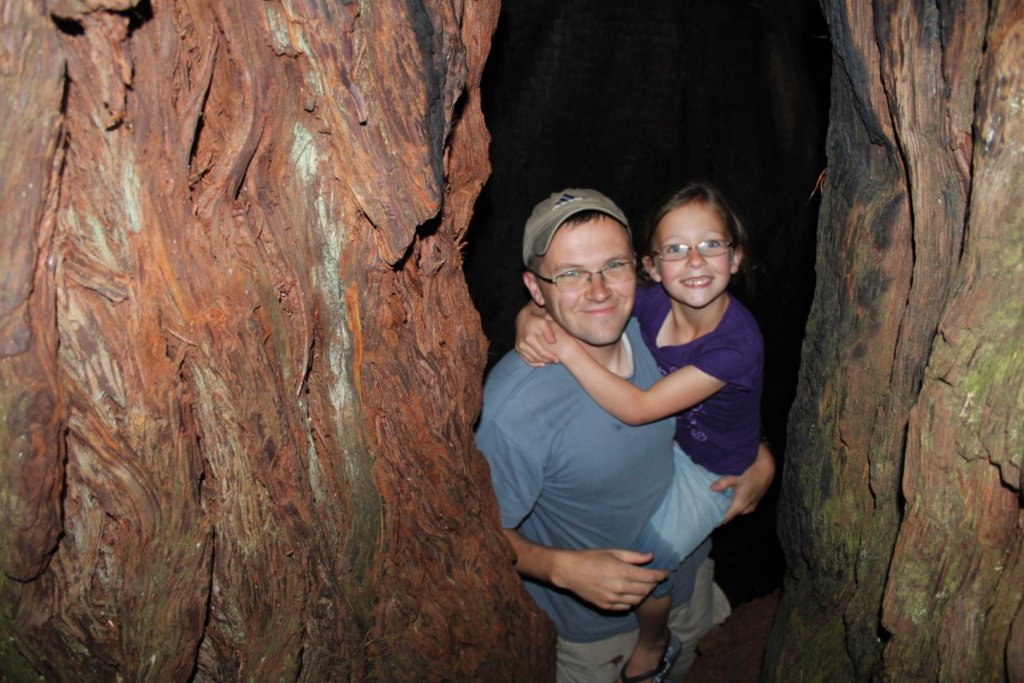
(735, 259)
(530, 280)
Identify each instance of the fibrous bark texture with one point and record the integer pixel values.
(239, 363)
(901, 507)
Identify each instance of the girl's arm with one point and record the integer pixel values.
(682, 389)
(534, 336)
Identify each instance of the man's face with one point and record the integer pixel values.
(598, 314)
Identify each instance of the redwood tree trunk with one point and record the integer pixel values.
(239, 363)
(901, 508)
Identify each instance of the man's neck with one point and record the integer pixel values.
(616, 358)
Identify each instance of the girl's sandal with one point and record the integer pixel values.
(668, 657)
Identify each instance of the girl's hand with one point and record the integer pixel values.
(535, 333)
(560, 344)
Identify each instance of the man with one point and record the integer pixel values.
(575, 486)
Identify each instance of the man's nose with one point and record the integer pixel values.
(597, 289)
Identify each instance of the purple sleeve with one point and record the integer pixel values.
(734, 352)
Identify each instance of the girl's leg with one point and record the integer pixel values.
(652, 619)
(688, 513)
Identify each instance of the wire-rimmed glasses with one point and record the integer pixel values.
(678, 252)
(577, 279)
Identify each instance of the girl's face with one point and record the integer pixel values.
(696, 281)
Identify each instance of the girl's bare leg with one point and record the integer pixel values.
(652, 617)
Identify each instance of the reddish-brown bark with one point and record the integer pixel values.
(32, 80)
(240, 363)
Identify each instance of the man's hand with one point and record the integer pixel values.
(749, 487)
(607, 578)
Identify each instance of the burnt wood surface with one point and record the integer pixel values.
(901, 506)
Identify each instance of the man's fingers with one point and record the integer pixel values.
(724, 483)
(612, 579)
(631, 594)
(638, 584)
(633, 557)
(638, 572)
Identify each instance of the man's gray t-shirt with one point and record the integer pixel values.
(569, 475)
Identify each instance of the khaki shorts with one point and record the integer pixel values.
(601, 661)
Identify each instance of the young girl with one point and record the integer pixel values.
(710, 350)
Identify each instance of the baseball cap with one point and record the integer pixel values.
(549, 215)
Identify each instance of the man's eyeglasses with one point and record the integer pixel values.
(577, 279)
(678, 252)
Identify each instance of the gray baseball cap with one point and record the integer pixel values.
(549, 215)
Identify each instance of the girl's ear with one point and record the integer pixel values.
(735, 260)
(531, 284)
(651, 270)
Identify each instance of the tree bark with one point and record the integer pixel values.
(901, 504)
(240, 365)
